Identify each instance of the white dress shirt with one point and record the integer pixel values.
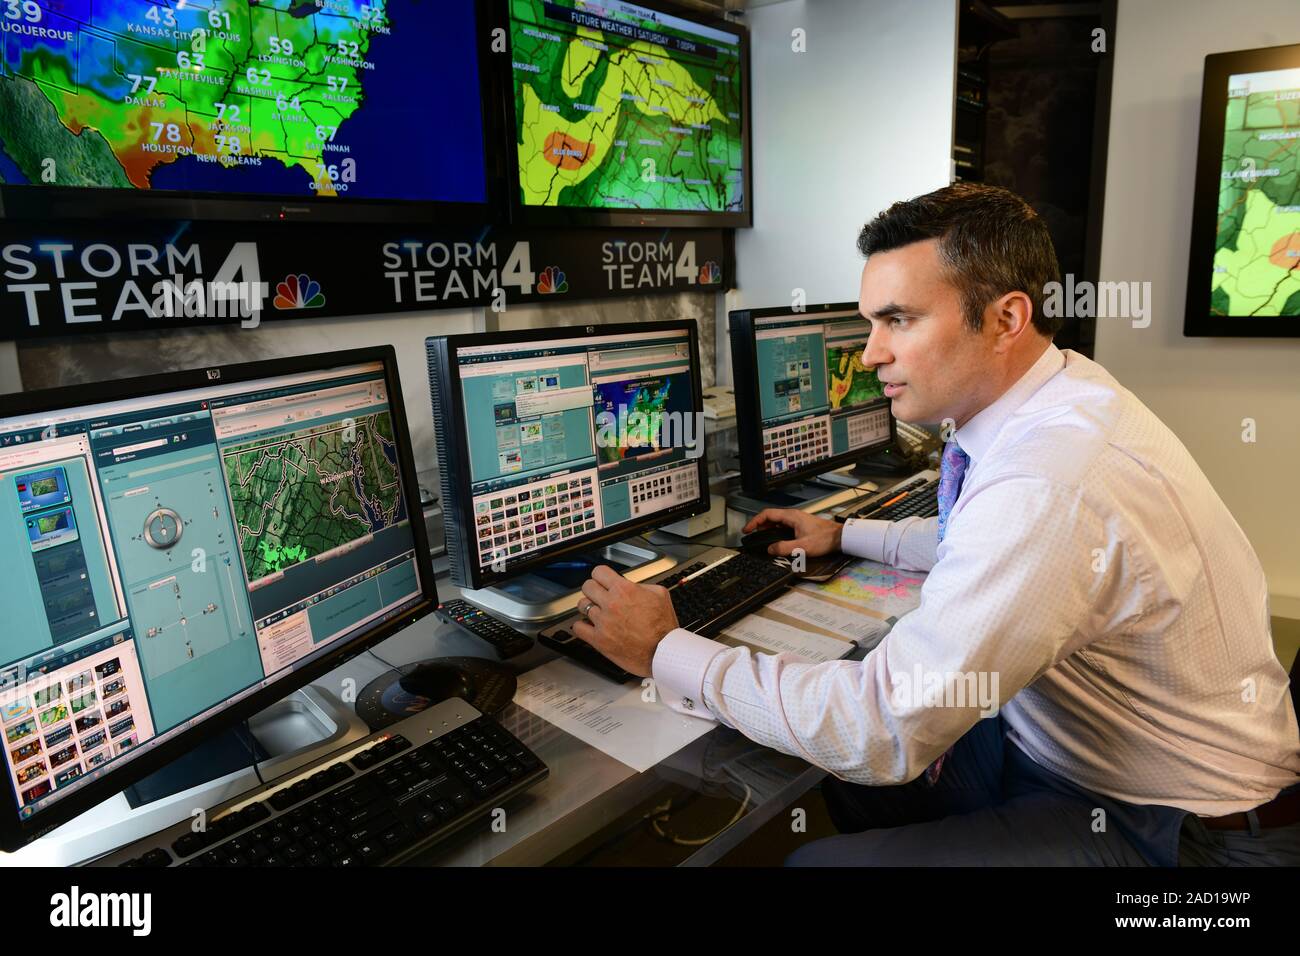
(1090, 567)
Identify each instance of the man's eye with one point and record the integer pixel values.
(898, 321)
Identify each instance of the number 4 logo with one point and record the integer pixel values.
(685, 268)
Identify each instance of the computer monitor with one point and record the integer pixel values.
(627, 114)
(182, 550)
(1241, 275)
(356, 110)
(552, 441)
(804, 402)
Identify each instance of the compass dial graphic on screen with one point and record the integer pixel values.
(162, 528)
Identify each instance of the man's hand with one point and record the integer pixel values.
(816, 536)
(623, 620)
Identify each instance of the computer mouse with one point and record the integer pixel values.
(756, 542)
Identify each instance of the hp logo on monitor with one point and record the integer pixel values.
(214, 374)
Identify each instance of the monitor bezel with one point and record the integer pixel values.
(1197, 320)
(27, 201)
(16, 832)
(458, 451)
(525, 215)
(749, 424)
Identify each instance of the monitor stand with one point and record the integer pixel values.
(302, 722)
(552, 590)
(887, 463)
(814, 495)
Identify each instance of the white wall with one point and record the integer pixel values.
(1201, 388)
(860, 119)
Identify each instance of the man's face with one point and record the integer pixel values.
(932, 365)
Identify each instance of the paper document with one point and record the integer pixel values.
(810, 610)
(611, 717)
(763, 633)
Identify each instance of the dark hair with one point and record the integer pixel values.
(990, 239)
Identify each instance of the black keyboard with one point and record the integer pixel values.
(704, 604)
(918, 497)
(382, 805)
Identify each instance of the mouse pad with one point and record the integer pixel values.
(384, 701)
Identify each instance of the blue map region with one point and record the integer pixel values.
(9, 171)
(193, 174)
(378, 521)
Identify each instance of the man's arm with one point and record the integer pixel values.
(909, 544)
(1009, 598)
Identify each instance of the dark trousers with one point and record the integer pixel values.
(994, 806)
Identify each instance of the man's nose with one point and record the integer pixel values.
(877, 350)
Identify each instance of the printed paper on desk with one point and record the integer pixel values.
(611, 717)
(764, 632)
(837, 620)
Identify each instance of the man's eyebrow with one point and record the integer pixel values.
(888, 311)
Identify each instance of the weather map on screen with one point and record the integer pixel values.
(621, 107)
(370, 99)
(1257, 235)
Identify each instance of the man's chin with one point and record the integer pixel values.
(901, 409)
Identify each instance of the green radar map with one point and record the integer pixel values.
(621, 107)
(303, 494)
(1257, 234)
(851, 383)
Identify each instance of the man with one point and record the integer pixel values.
(1080, 558)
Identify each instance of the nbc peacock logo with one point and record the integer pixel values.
(710, 274)
(552, 282)
(299, 292)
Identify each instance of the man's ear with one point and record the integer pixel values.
(1012, 315)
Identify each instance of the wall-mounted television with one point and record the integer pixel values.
(1243, 275)
(627, 114)
(243, 109)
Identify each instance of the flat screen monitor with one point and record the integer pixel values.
(626, 114)
(556, 440)
(234, 109)
(1243, 276)
(805, 403)
(181, 551)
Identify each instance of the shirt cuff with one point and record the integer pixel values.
(864, 538)
(681, 660)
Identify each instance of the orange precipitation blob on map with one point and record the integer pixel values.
(566, 152)
(1286, 252)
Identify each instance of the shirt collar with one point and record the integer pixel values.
(976, 436)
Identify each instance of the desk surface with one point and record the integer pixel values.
(590, 800)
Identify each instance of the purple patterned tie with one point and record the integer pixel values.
(952, 469)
